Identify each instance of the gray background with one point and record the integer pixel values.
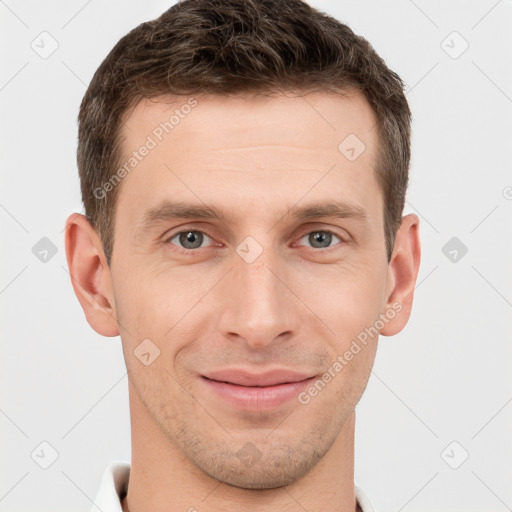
(445, 378)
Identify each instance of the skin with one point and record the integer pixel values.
(299, 305)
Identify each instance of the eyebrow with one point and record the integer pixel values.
(169, 210)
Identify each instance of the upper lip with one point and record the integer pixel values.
(245, 378)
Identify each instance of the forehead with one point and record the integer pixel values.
(289, 119)
(273, 148)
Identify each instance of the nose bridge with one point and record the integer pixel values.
(260, 306)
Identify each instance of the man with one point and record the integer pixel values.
(243, 168)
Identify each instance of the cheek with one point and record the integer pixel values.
(347, 299)
(350, 306)
(149, 308)
(159, 305)
(140, 307)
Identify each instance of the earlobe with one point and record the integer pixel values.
(90, 275)
(403, 269)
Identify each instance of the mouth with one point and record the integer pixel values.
(257, 397)
(242, 377)
(247, 386)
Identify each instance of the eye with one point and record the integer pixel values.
(321, 239)
(190, 239)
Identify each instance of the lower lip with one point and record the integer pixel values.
(257, 399)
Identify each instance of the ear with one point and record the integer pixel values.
(402, 274)
(90, 275)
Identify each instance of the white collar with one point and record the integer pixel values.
(114, 485)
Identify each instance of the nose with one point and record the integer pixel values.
(259, 306)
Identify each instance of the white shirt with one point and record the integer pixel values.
(114, 485)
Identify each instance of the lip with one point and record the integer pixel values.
(257, 393)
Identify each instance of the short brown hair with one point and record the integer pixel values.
(234, 47)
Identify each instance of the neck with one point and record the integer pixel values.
(162, 479)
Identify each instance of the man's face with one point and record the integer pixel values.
(262, 289)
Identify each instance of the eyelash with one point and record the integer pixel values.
(191, 251)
